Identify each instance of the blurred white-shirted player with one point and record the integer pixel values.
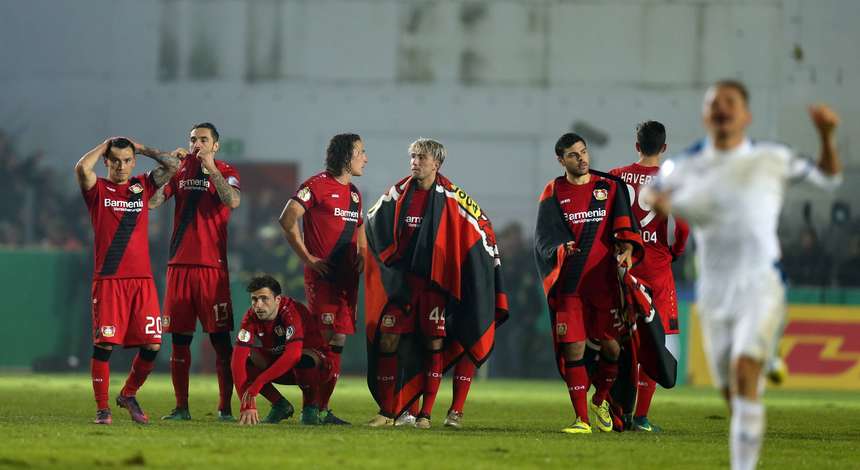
(730, 189)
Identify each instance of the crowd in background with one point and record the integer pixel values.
(39, 211)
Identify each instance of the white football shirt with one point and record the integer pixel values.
(732, 200)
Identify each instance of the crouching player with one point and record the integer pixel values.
(278, 342)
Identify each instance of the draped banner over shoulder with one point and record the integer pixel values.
(552, 232)
(455, 249)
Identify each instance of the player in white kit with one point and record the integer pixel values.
(730, 189)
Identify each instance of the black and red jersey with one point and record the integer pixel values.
(120, 217)
(332, 217)
(200, 218)
(271, 336)
(590, 205)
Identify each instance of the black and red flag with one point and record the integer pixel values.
(455, 249)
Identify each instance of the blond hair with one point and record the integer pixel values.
(430, 147)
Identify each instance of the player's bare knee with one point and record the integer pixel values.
(573, 351)
(610, 349)
(388, 342)
(308, 360)
(434, 344)
(151, 347)
(747, 372)
(338, 339)
(258, 360)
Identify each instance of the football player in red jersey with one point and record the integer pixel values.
(664, 240)
(206, 191)
(584, 233)
(125, 304)
(332, 246)
(279, 341)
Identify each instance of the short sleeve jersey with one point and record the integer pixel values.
(598, 275)
(332, 215)
(271, 336)
(663, 237)
(119, 214)
(200, 218)
(732, 199)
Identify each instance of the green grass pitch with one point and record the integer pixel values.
(45, 422)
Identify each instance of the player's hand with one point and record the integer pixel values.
(249, 417)
(824, 118)
(207, 159)
(319, 265)
(570, 248)
(138, 147)
(624, 254)
(179, 153)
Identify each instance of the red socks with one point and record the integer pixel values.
(647, 387)
(308, 380)
(180, 365)
(385, 381)
(142, 365)
(326, 389)
(433, 366)
(100, 371)
(607, 372)
(576, 378)
(463, 373)
(223, 353)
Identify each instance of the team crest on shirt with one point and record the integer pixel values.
(244, 335)
(328, 318)
(166, 322)
(388, 320)
(290, 331)
(108, 331)
(279, 330)
(561, 329)
(354, 196)
(601, 194)
(305, 194)
(136, 188)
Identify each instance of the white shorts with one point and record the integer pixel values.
(752, 330)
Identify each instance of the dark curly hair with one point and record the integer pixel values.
(339, 153)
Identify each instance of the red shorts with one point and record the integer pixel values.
(197, 292)
(578, 318)
(666, 302)
(425, 311)
(330, 303)
(125, 312)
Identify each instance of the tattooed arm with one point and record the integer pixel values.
(168, 161)
(228, 194)
(158, 198)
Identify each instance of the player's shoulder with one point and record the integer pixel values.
(320, 179)
(356, 194)
(620, 169)
(550, 188)
(694, 150)
(290, 308)
(772, 147)
(224, 166)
